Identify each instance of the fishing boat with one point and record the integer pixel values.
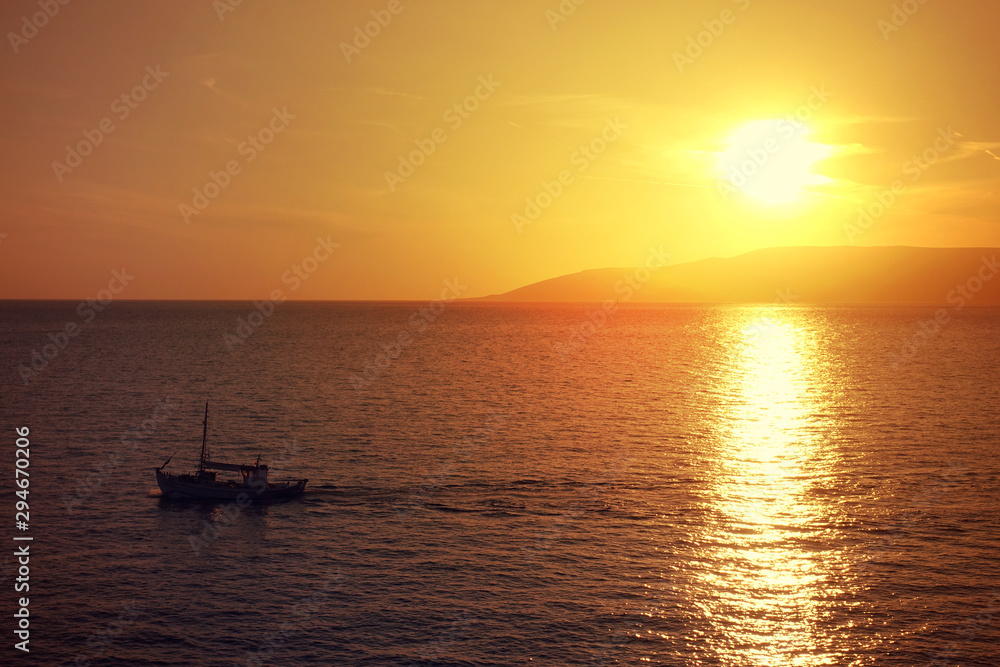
(252, 486)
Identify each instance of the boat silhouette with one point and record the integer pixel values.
(252, 486)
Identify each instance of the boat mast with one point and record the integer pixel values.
(204, 437)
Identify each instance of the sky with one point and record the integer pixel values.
(392, 149)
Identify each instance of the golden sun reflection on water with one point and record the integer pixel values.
(772, 569)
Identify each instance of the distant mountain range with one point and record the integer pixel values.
(833, 274)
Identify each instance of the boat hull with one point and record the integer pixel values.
(188, 487)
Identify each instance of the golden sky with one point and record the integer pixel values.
(494, 142)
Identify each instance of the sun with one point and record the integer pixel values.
(772, 161)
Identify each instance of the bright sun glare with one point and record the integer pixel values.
(772, 161)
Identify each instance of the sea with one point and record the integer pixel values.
(497, 484)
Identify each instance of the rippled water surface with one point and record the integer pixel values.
(513, 485)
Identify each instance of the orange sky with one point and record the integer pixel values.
(329, 119)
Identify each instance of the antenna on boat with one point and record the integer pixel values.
(167, 461)
(204, 438)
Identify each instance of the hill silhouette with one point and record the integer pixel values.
(832, 274)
